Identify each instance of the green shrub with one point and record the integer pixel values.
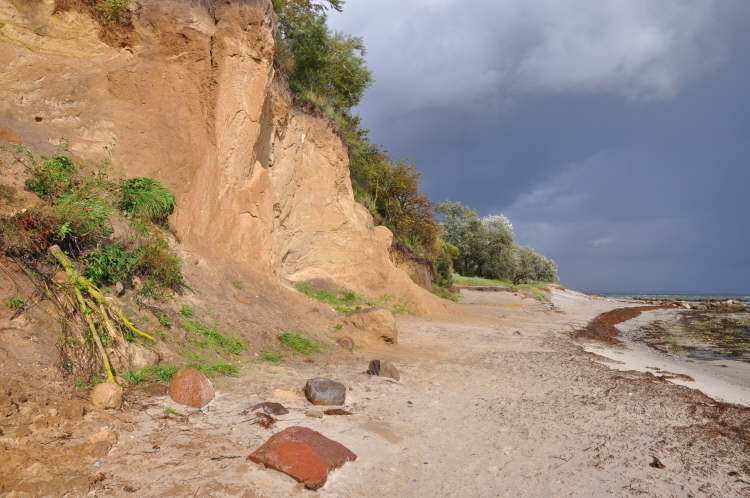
(15, 303)
(161, 266)
(86, 220)
(110, 264)
(187, 311)
(299, 344)
(147, 199)
(52, 178)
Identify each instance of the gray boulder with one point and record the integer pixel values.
(325, 392)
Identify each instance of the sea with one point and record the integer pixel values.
(676, 296)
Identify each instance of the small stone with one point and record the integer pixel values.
(325, 392)
(383, 368)
(346, 343)
(119, 289)
(337, 411)
(190, 387)
(305, 455)
(271, 408)
(106, 396)
(314, 413)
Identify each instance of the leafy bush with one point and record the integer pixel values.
(85, 220)
(146, 198)
(160, 265)
(52, 178)
(110, 264)
(299, 344)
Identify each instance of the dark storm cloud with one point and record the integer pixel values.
(614, 133)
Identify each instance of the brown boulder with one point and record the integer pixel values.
(191, 388)
(303, 454)
(376, 321)
(107, 395)
(383, 368)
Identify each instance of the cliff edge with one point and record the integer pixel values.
(187, 93)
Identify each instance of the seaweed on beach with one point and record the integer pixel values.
(602, 328)
(701, 335)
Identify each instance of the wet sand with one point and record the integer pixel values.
(724, 380)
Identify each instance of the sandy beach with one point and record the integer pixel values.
(497, 401)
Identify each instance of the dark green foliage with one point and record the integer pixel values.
(76, 215)
(329, 66)
(52, 178)
(444, 265)
(146, 198)
(110, 264)
(299, 344)
(533, 267)
(486, 248)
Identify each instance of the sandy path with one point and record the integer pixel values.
(497, 403)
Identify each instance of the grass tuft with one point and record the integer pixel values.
(299, 344)
(147, 199)
(210, 338)
(271, 357)
(160, 373)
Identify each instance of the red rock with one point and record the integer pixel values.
(303, 454)
(191, 388)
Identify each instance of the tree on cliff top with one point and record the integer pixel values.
(320, 65)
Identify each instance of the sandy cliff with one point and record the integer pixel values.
(189, 95)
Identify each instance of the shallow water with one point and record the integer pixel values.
(701, 335)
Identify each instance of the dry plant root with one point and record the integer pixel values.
(96, 309)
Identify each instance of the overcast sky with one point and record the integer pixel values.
(614, 133)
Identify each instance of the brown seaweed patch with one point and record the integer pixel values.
(602, 328)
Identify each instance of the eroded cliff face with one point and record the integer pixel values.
(193, 100)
